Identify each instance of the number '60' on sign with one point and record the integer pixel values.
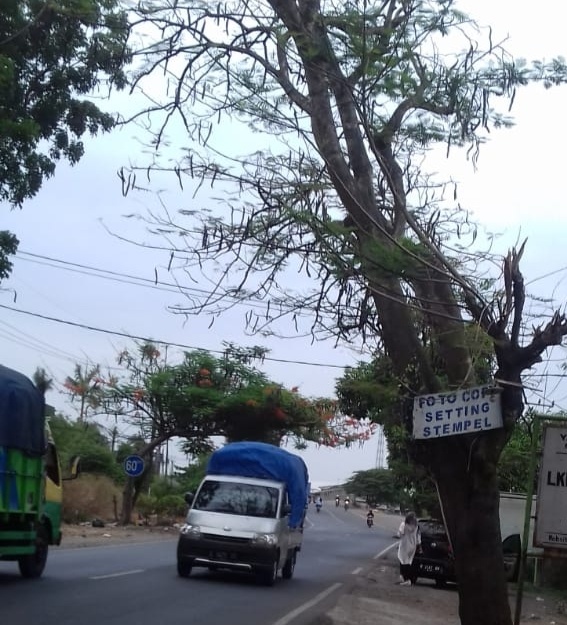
(133, 466)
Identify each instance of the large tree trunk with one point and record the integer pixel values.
(469, 494)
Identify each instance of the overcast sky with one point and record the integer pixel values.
(517, 190)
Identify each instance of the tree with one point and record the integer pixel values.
(87, 441)
(53, 55)
(86, 386)
(355, 93)
(42, 380)
(204, 396)
(376, 485)
(8, 247)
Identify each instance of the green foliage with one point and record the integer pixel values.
(376, 485)
(513, 466)
(8, 246)
(169, 506)
(370, 390)
(53, 54)
(206, 396)
(188, 479)
(86, 440)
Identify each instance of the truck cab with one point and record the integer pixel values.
(30, 476)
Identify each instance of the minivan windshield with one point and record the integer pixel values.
(237, 498)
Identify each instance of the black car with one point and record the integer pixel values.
(436, 560)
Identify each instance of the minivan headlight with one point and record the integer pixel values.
(265, 539)
(191, 531)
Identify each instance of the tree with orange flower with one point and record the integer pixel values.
(204, 396)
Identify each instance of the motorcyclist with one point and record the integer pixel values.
(319, 503)
(370, 518)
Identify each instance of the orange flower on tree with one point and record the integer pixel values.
(279, 414)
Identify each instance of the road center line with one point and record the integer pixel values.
(384, 551)
(308, 604)
(121, 574)
(358, 570)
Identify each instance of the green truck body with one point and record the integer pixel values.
(30, 476)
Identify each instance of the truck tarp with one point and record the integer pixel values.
(22, 413)
(265, 461)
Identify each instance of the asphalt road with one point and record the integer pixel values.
(138, 584)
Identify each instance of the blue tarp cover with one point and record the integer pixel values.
(22, 413)
(269, 462)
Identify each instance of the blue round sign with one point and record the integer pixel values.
(133, 466)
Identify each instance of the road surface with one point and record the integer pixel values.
(138, 584)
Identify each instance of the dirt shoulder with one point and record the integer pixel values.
(77, 536)
(375, 598)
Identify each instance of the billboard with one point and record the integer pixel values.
(551, 514)
(465, 411)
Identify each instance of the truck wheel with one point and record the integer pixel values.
(184, 567)
(268, 576)
(289, 566)
(32, 565)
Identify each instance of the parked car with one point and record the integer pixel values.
(436, 560)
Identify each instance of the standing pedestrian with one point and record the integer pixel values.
(410, 542)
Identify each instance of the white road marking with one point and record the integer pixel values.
(121, 574)
(358, 570)
(309, 604)
(385, 551)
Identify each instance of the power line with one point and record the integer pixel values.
(27, 340)
(248, 301)
(135, 337)
(160, 285)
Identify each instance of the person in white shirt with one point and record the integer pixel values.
(410, 542)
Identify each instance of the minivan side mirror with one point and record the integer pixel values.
(189, 498)
(286, 509)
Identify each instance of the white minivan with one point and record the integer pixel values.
(242, 524)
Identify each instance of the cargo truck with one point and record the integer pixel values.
(30, 476)
(247, 514)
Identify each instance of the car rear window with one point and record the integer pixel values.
(433, 528)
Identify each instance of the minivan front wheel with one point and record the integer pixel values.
(289, 566)
(184, 567)
(269, 576)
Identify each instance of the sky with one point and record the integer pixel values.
(515, 191)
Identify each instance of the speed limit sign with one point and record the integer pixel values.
(133, 466)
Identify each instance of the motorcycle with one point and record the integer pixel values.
(346, 504)
(370, 521)
(337, 501)
(318, 507)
